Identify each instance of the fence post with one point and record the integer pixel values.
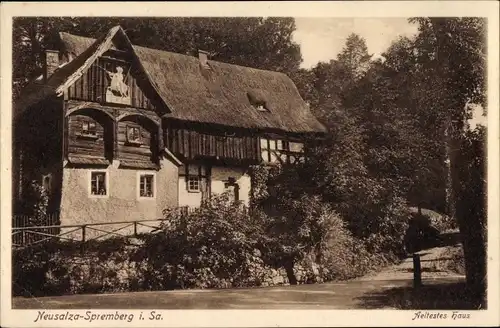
(84, 230)
(135, 228)
(417, 272)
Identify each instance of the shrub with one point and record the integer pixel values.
(389, 227)
(55, 268)
(442, 222)
(211, 247)
(342, 254)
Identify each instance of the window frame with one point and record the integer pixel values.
(264, 141)
(298, 143)
(261, 107)
(106, 179)
(88, 132)
(298, 156)
(272, 149)
(140, 174)
(137, 141)
(188, 185)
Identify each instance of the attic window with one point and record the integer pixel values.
(203, 58)
(261, 108)
(258, 100)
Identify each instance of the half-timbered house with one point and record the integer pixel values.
(119, 132)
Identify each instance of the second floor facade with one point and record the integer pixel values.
(98, 134)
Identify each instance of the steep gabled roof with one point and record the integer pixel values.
(220, 95)
(67, 74)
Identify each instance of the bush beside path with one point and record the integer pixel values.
(390, 288)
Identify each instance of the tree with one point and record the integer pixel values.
(400, 146)
(29, 43)
(345, 89)
(355, 57)
(461, 81)
(336, 80)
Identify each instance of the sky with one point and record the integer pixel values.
(321, 39)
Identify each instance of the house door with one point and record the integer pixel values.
(233, 190)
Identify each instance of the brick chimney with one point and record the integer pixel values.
(203, 57)
(51, 63)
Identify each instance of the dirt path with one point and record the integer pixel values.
(433, 264)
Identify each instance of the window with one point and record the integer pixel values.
(146, 185)
(270, 149)
(296, 147)
(264, 149)
(98, 183)
(133, 134)
(89, 128)
(297, 150)
(257, 100)
(194, 184)
(280, 150)
(261, 108)
(280, 144)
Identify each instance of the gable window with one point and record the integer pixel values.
(89, 128)
(133, 135)
(194, 184)
(98, 183)
(146, 185)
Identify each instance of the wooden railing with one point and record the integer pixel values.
(25, 234)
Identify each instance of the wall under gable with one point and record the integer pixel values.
(122, 202)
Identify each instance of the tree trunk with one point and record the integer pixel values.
(450, 203)
(469, 223)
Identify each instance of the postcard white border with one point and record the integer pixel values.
(259, 318)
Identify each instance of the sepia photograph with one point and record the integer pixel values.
(279, 162)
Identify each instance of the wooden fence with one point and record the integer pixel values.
(24, 224)
(27, 232)
(26, 220)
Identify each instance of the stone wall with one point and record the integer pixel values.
(117, 266)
